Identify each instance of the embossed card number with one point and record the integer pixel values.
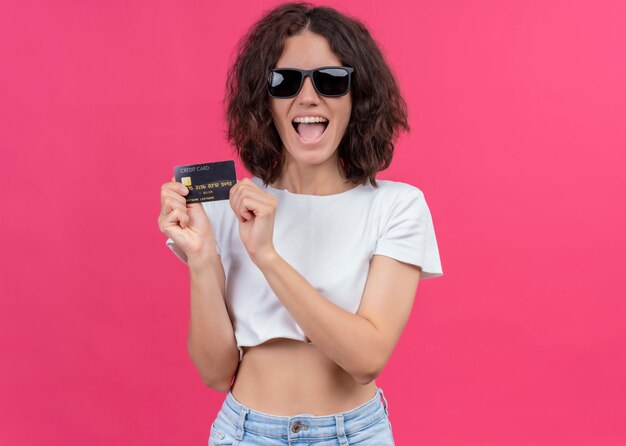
(207, 181)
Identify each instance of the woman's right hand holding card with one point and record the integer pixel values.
(186, 224)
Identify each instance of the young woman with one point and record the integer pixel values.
(302, 282)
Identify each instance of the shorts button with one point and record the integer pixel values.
(296, 427)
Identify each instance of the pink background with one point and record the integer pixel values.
(517, 111)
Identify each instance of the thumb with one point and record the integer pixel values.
(196, 208)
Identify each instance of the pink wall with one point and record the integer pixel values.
(518, 137)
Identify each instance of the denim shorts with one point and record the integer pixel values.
(239, 425)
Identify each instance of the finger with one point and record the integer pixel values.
(246, 213)
(251, 206)
(175, 185)
(245, 216)
(173, 195)
(174, 215)
(241, 183)
(172, 186)
(171, 199)
(178, 187)
(234, 202)
(178, 216)
(169, 207)
(236, 196)
(250, 191)
(245, 183)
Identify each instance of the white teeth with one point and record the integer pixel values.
(309, 119)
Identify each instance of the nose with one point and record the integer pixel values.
(307, 94)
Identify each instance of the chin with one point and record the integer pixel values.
(310, 156)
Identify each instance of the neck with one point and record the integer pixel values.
(313, 180)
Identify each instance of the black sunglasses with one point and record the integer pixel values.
(327, 81)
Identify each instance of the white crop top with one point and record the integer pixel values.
(329, 240)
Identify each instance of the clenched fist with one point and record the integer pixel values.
(256, 212)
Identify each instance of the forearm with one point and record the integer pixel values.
(212, 344)
(345, 338)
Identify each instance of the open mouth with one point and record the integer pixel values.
(310, 128)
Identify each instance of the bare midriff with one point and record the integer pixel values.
(288, 377)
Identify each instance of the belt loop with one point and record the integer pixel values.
(341, 432)
(385, 400)
(240, 429)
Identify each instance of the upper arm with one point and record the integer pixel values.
(386, 303)
(405, 252)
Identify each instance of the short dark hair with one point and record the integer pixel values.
(378, 110)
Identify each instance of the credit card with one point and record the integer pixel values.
(207, 181)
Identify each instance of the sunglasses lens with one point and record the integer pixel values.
(284, 83)
(332, 81)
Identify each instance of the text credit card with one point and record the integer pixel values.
(207, 181)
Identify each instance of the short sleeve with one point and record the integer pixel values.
(408, 234)
(176, 250)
